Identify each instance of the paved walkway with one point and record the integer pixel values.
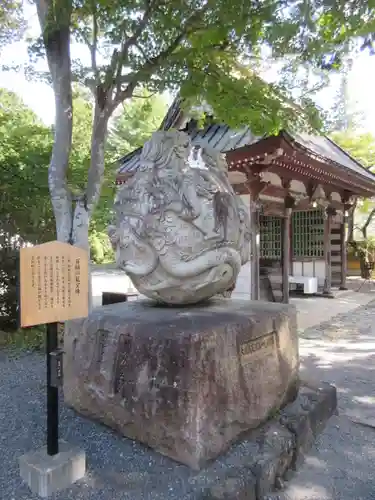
(340, 467)
(342, 464)
(314, 310)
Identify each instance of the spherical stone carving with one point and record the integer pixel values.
(181, 232)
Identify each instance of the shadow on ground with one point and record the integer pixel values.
(342, 464)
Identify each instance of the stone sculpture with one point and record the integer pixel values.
(181, 232)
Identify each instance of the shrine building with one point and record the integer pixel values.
(298, 188)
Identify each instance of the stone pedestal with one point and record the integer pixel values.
(185, 381)
(46, 474)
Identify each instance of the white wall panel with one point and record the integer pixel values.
(243, 285)
(314, 268)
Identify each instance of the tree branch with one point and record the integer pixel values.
(137, 33)
(147, 69)
(136, 96)
(153, 63)
(94, 46)
(131, 41)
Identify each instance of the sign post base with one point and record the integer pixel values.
(54, 287)
(46, 474)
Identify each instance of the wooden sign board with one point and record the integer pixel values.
(54, 281)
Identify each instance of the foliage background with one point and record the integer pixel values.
(25, 147)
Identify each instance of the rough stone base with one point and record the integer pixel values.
(185, 381)
(265, 458)
(255, 468)
(45, 474)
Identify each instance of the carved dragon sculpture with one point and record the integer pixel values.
(181, 232)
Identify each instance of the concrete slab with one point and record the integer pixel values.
(312, 311)
(45, 474)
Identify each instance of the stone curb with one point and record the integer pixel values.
(266, 457)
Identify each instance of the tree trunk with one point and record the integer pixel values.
(351, 226)
(85, 205)
(367, 223)
(72, 220)
(97, 163)
(60, 195)
(56, 37)
(80, 225)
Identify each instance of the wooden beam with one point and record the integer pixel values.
(286, 169)
(344, 255)
(294, 162)
(255, 250)
(311, 188)
(285, 252)
(327, 256)
(256, 151)
(330, 169)
(272, 208)
(256, 187)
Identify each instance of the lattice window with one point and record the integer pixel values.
(270, 237)
(308, 234)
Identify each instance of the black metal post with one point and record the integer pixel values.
(52, 394)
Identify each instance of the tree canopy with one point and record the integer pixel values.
(133, 126)
(25, 149)
(360, 146)
(11, 21)
(207, 50)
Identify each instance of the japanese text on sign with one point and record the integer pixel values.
(53, 283)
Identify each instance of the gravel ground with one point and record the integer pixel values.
(117, 468)
(340, 467)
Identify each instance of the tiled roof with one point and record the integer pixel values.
(325, 148)
(220, 137)
(224, 139)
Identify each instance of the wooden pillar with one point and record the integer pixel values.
(285, 253)
(255, 241)
(344, 257)
(327, 255)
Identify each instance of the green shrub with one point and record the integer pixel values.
(101, 250)
(25, 338)
(9, 252)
